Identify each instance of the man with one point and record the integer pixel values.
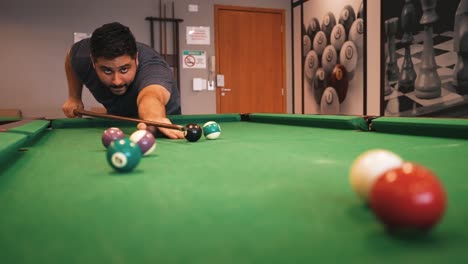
(128, 78)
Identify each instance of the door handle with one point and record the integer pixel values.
(225, 90)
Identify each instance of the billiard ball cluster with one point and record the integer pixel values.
(124, 153)
(402, 195)
(211, 130)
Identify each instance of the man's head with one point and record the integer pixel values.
(114, 56)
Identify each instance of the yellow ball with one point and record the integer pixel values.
(368, 166)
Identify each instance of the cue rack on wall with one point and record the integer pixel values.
(168, 47)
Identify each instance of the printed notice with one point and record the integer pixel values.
(198, 35)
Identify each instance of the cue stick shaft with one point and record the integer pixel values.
(123, 118)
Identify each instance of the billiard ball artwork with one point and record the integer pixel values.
(328, 23)
(123, 155)
(347, 18)
(193, 132)
(349, 58)
(211, 130)
(329, 103)
(408, 197)
(306, 43)
(312, 28)
(145, 140)
(329, 59)
(338, 45)
(320, 83)
(110, 135)
(311, 65)
(356, 35)
(339, 80)
(338, 36)
(368, 166)
(319, 43)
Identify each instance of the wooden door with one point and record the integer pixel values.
(250, 53)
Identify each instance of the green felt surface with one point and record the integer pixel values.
(261, 193)
(9, 145)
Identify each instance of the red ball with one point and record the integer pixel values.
(408, 197)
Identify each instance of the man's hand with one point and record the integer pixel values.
(70, 105)
(170, 133)
(151, 103)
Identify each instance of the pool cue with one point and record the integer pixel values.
(129, 119)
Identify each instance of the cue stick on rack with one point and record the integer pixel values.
(160, 28)
(134, 120)
(164, 32)
(174, 47)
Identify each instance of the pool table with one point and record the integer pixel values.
(274, 188)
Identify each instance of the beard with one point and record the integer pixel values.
(118, 89)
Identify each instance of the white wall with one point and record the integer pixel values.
(35, 35)
(373, 57)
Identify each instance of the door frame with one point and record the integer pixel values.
(281, 12)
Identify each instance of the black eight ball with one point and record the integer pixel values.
(193, 132)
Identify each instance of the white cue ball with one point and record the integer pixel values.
(368, 166)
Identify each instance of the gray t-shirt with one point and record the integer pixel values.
(152, 69)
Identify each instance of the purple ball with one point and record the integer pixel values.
(110, 135)
(145, 140)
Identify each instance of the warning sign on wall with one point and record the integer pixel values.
(194, 59)
(198, 35)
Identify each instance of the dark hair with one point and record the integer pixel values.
(113, 40)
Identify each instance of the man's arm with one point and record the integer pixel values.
(151, 103)
(75, 89)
